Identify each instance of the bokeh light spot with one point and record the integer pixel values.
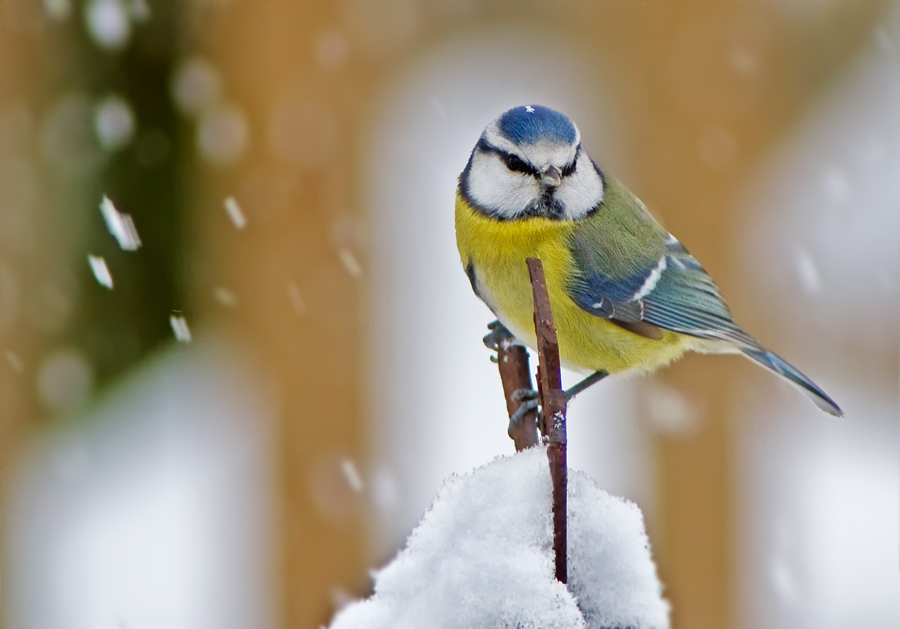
(67, 137)
(107, 23)
(196, 86)
(331, 49)
(114, 123)
(222, 135)
(58, 9)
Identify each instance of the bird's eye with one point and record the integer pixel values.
(568, 169)
(517, 165)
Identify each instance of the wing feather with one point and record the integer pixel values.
(682, 297)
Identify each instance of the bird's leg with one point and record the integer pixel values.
(529, 397)
(529, 400)
(594, 378)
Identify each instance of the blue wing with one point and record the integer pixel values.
(672, 292)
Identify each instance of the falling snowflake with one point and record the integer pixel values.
(101, 271)
(180, 328)
(351, 264)
(352, 475)
(234, 213)
(225, 297)
(120, 226)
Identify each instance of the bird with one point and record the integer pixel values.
(627, 296)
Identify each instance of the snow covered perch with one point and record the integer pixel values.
(483, 557)
(493, 550)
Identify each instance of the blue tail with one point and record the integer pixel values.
(772, 362)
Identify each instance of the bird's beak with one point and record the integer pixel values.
(550, 177)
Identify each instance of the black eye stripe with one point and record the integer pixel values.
(517, 165)
(511, 161)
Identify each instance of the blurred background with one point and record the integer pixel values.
(238, 354)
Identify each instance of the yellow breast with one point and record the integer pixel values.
(496, 251)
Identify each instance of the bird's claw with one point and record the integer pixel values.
(497, 336)
(526, 407)
(524, 395)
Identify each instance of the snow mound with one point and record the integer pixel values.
(483, 557)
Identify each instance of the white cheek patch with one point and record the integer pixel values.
(581, 191)
(495, 188)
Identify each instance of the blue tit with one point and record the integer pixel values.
(626, 295)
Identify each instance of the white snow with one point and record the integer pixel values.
(180, 328)
(352, 476)
(121, 226)
(482, 557)
(225, 297)
(233, 209)
(808, 272)
(101, 271)
(351, 264)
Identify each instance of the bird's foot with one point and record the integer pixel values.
(529, 402)
(498, 336)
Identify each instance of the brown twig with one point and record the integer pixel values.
(515, 374)
(553, 403)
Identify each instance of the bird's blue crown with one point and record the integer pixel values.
(532, 123)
